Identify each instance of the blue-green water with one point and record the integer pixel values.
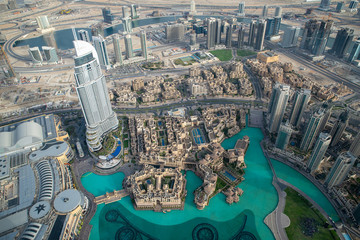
(98, 185)
(259, 199)
(295, 178)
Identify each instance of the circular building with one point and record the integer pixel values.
(39, 209)
(69, 201)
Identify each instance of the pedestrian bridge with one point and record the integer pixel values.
(111, 197)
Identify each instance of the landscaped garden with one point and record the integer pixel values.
(222, 54)
(245, 53)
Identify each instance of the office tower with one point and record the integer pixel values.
(283, 136)
(97, 30)
(128, 47)
(175, 32)
(50, 54)
(339, 127)
(192, 7)
(356, 214)
(355, 52)
(342, 42)
(43, 22)
(301, 100)
(290, 37)
(134, 13)
(260, 35)
(218, 31)
(353, 5)
(229, 36)
(265, 11)
(192, 39)
(12, 4)
(127, 24)
(325, 5)
(125, 11)
(322, 37)
(117, 49)
(84, 35)
(7, 70)
(277, 106)
(320, 148)
(100, 46)
(93, 95)
(108, 17)
(340, 169)
(340, 7)
(278, 11)
(310, 29)
(35, 55)
(272, 27)
(355, 146)
(241, 9)
(252, 33)
(241, 34)
(211, 33)
(312, 130)
(143, 44)
(326, 108)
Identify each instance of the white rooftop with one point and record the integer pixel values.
(39, 209)
(13, 221)
(68, 200)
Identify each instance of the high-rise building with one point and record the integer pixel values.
(353, 5)
(312, 130)
(339, 127)
(260, 35)
(283, 136)
(35, 55)
(355, 52)
(175, 32)
(252, 33)
(50, 54)
(218, 31)
(143, 44)
(134, 13)
(290, 37)
(128, 47)
(93, 95)
(327, 109)
(265, 11)
(125, 11)
(211, 33)
(278, 11)
(241, 34)
(325, 5)
(192, 39)
(117, 49)
(340, 169)
(107, 15)
(322, 37)
(310, 30)
(340, 7)
(127, 24)
(241, 9)
(229, 36)
(320, 148)
(43, 22)
(355, 146)
(272, 27)
(84, 35)
(7, 71)
(192, 7)
(342, 42)
(277, 106)
(100, 46)
(97, 30)
(301, 100)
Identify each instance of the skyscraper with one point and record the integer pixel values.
(192, 39)
(272, 27)
(211, 33)
(143, 44)
(260, 35)
(319, 151)
(229, 36)
(125, 11)
(301, 100)
(339, 127)
(241, 34)
(353, 5)
(327, 108)
(100, 46)
(355, 146)
(175, 32)
(290, 37)
(355, 52)
(241, 9)
(252, 33)
(127, 24)
(283, 136)
(277, 106)
(134, 13)
(43, 22)
(312, 130)
(340, 169)
(340, 7)
(84, 35)
(35, 55)
(325, 5)
(93, 95)
(192, 7)
(107, 15)
(265, 11)
(278, 11)
(117, 49)
(50, 54)
(322, 37)
(218, 31)
(342, 42)
(128, 47)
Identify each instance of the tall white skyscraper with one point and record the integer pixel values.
(192, 7)
(290, 37)
(301, 100)
(126, 11)
(319, 151)
(134, 13)
(241, 9)
(277, 106)
(84, 35)
(340, 169)
(143, 44)
(117, 49)
(128, 46)
(36, 55)
(211, 33)
(93, 95)
(100, 46)
(127, 24)
(312, 130)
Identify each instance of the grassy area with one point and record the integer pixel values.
(220, 184)
(107, 146)
(222, 54)
(179, 61)
(297, 208)
(245, 53)
(153, 65)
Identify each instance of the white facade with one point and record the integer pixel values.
(340, 169)
(318, 153)
(100, 47)
(277, 106)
